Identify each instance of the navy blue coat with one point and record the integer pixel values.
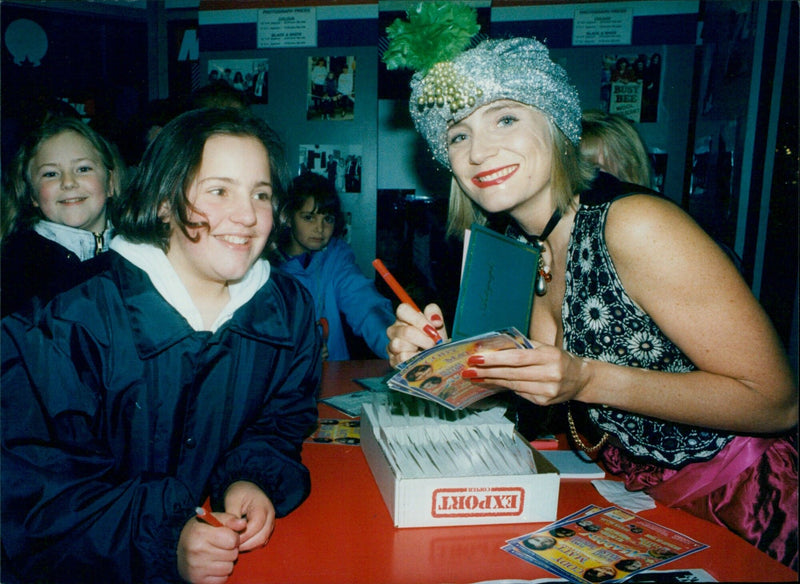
(118, 419)
(33, 266)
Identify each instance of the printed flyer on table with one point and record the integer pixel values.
(601, 545)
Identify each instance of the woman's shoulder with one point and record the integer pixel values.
(652, 238)
(628, 217)
(639, 217)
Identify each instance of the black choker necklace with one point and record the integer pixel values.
(544, 275)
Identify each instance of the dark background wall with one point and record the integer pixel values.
(97, 61)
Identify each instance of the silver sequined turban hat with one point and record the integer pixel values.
(519, 69)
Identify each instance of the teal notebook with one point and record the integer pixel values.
(497, 284)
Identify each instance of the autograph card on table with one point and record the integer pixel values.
(573, 465)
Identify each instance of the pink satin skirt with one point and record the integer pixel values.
(750, 487)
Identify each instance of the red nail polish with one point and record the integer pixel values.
(436, 319)
(475, 360)
(431, 332)
(472, 375)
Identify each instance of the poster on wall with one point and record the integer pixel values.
(340, 164)
(330, 88)
(251, 76)
(630, 85)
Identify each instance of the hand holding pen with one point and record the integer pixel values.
(207, 517)
(414, 330)
(249, 512)
(205, 554)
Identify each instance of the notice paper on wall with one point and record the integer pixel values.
(287, 27)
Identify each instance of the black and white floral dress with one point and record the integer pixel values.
(602, 322)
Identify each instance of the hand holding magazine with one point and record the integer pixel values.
(496, 295)
(435, 374)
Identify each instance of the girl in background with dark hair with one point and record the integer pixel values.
(60, 184)
(311, 248)
(186, 370)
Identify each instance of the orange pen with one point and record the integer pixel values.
(403, 295)
(207, 517)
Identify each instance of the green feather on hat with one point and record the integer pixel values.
(434, 32)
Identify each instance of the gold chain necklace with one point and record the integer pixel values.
(577, 439)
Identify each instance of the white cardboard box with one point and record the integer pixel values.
(472, 500)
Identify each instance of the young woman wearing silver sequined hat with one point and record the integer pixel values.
(641, 316)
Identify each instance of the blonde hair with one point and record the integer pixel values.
(570, 173)
(611, 143)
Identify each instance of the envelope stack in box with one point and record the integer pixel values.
(437, 467)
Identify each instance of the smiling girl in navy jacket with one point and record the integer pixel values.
(186, 371)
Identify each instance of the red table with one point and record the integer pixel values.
(343, 533)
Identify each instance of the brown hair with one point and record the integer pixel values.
(308, 185)
(171, 163)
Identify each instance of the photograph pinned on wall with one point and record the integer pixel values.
(339, 163)
(330, 88)
(630, 85)
(250, 76)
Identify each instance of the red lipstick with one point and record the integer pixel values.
(494, 177)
